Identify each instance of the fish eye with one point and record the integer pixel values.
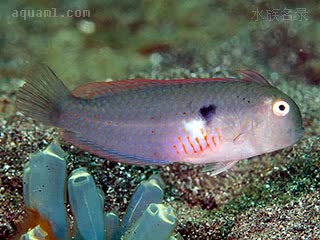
(280, 108)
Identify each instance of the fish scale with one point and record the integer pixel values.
(215, 121)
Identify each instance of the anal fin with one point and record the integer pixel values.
(109, 154)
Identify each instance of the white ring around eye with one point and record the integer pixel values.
(280, 108)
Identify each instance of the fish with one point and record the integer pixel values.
(214, 122)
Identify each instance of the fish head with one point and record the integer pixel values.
(279, 122)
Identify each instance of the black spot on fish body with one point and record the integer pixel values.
(207, 112)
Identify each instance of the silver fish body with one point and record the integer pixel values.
(158, 122)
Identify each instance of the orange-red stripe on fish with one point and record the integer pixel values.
(183, 146)
(219, 135)
(190, 143)
(199, 144)
(176, 149)
(213, 141)
(205, 138)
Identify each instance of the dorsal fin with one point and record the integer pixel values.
(97, 89)
(253, 76)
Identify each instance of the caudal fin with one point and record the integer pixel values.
(42, 96)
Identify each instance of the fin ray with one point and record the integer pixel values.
(213, 169)
(252, 76)
(42, 96)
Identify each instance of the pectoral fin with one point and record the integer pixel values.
(240, 138)
(245, 132)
